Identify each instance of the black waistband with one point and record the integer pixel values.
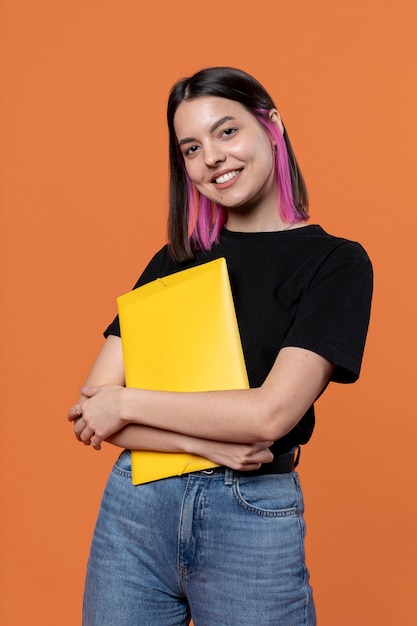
(282, 464)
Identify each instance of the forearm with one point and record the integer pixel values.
(137, 437)
(246, 415)
(240, 416)
(230, 416)
(234, 455)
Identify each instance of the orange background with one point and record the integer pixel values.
(83, 206)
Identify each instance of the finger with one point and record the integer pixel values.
(96, 442)
(89, 392)
(264, 445)
(250, 467)
(82, 431)
(79, 426)
(259, 446)
(86, 435)
(74, 412)
(265, 456)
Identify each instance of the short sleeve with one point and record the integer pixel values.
(157, 267)
(333, 314)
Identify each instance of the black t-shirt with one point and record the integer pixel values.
(299, 287)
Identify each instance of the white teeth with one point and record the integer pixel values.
(226, 177)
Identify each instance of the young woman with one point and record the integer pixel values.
(226, 546)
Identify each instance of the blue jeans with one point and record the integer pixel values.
(224, 549)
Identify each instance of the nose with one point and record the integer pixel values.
(213, 154)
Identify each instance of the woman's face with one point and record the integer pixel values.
(228, 156)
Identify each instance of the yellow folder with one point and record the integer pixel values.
(179, 333)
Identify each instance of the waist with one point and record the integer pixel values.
(282, 464)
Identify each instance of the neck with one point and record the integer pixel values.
(254, 225)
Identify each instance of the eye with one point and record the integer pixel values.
(228, 132)
(190, 151)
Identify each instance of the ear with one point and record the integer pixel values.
(275, 117)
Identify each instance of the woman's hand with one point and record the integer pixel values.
(97, 417)
(238, 456)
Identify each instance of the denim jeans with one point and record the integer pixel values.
(224, 549)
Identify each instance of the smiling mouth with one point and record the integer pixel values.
(224, 178)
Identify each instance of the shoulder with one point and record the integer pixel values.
(320, 238)
(335, 299)
(333, 272)
(335, 251)
(313, 252)
(161, 264)
(352, 259)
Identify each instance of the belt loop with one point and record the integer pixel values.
(228, 476)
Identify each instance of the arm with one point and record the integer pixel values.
(108, 370)
(245, 416)
(238, 456)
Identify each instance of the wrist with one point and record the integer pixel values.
(125, 406)
(197, 446)
(190, 444)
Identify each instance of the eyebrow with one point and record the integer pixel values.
(215, 126)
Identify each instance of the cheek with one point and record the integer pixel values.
(192, 170)
(266, 160)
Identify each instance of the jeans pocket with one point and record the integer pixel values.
(275, 495)
(123, 465)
